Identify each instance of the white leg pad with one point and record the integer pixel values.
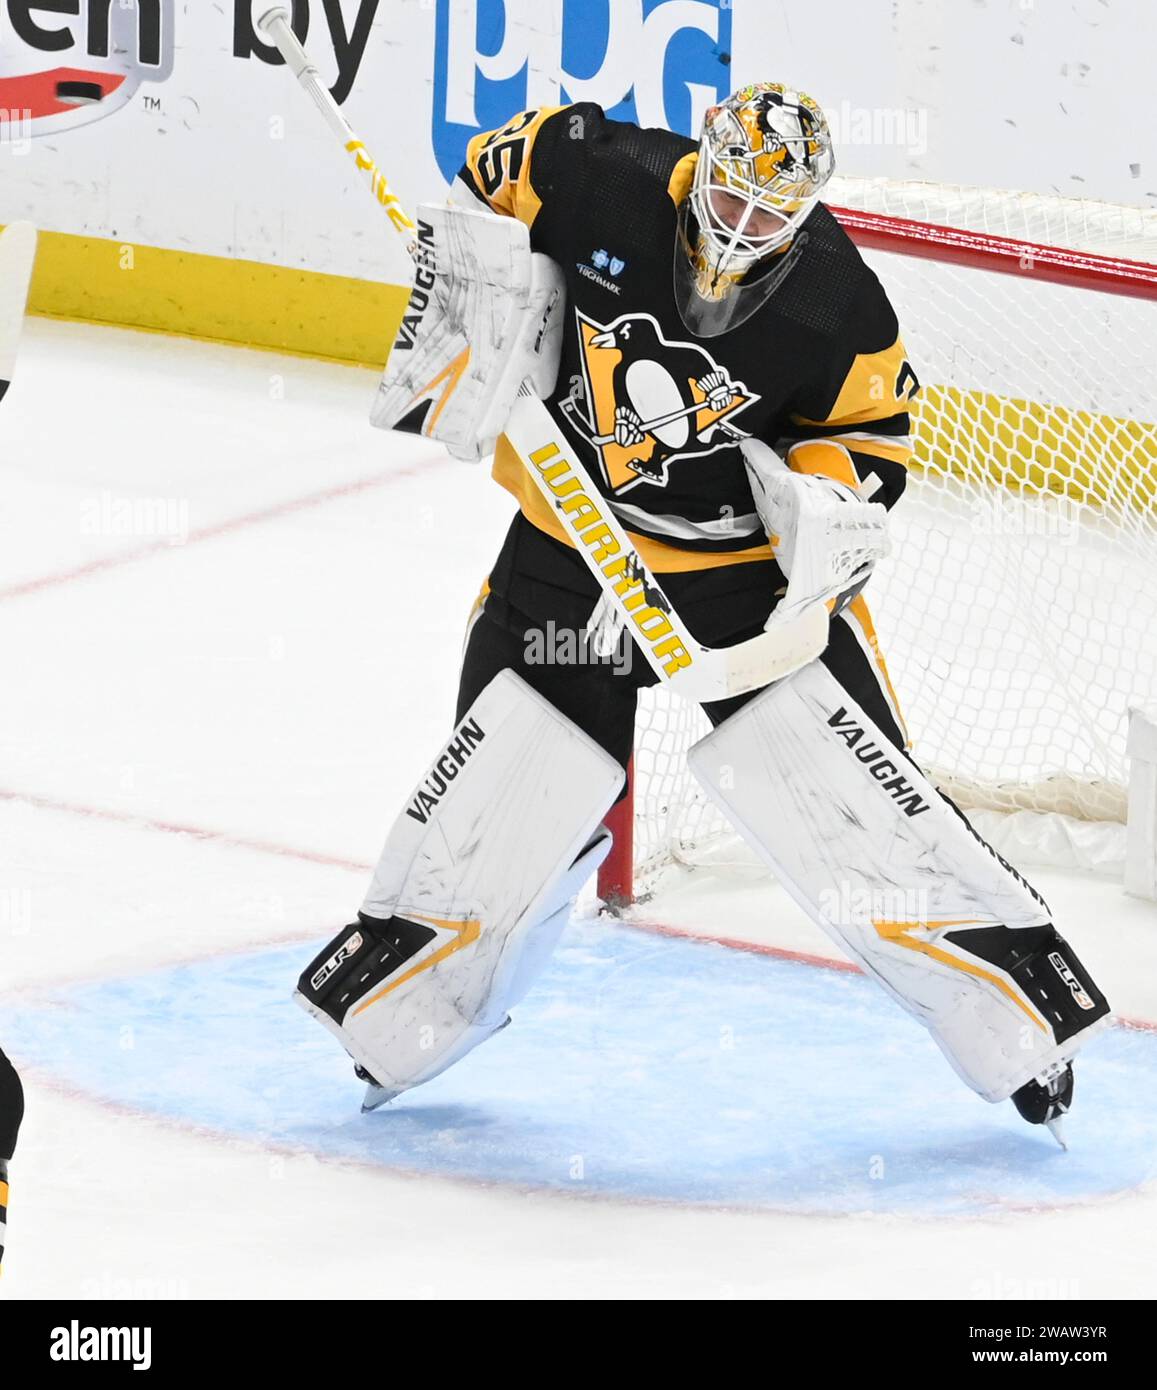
(485, 859)
(876, 857)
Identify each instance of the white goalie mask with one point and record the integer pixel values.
(764, 157)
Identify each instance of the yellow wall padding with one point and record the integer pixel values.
(215, 297)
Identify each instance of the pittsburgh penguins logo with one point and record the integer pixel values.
(787, 131)
(646, 401)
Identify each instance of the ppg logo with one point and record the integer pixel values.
(657, 62)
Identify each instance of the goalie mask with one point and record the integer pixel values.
(764, 157)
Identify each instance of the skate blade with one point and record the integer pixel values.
(1057, 1130)
(376, 1096)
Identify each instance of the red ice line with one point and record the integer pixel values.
(274, 512)
(259, 846)
(196, 832)
(806, 958)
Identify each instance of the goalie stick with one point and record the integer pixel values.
(699, 673)
(17, 254)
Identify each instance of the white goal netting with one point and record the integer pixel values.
(1018, 612)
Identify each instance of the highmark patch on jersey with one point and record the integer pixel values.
(646, 400)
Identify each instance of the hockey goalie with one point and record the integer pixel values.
(709, 343)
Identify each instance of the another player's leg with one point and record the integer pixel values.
(11, 1114)
(819, 784)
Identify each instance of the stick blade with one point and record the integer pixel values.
(17, 257)
(786, 646)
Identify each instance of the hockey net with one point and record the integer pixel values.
(1018, 611)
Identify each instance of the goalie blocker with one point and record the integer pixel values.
(897, 877)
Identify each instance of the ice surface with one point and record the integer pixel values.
(203, 743)
(639, 1068)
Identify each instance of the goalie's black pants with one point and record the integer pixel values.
(539, 598)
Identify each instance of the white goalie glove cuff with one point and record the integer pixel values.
(484, 315)
(826, 537)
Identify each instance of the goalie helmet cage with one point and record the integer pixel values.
(1018, 611)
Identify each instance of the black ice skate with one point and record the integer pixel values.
(1047, 1099)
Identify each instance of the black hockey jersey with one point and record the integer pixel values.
(818, 372)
